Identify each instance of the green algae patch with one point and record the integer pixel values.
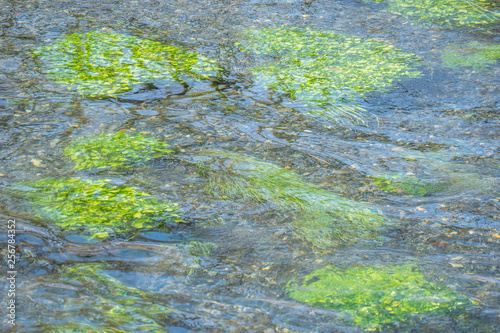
(476, 55)
(200, 248)
(326, 71)
(411, 185)
(449, 13)
(102, 64)
(115, 151)
(99, 208)
(323, 219)
(110, 306)
(373, 297)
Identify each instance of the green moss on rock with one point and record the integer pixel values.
(108, 64)
(326, 71)
(400, 183)
(475, 55)
(114, 151)
(98, 208)
(324, 219)
(448, 13)
(373, 297)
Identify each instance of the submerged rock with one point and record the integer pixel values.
(102, 64)
(373, 297)
(114, 151)
(327, 71)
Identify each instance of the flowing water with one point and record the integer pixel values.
(227, 267)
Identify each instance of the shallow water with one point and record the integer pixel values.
(442, 126)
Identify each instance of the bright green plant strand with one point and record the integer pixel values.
(475, 55)
(324, 219)
(115, 151)
(97, 207)
(327, 71)
(107, 64)
(116, 308)
(449, 13)
(373, 297)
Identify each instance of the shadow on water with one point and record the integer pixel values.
(424, 165)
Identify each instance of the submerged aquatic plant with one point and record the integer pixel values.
(401, 183)
(107, 64)
(475, 55)
(327, 71)
(323, 218)
(373, 297)
(200, 248)
(111, 306)
(115, 150)
(97, 207)
(449, 13)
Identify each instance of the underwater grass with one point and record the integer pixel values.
(97, 207)
(100, 64)
(373, 297)
(111, 305)
(200, 248)
(405, 184)
(326, 71)
(323, 219)
(114, 151)
(448, 13)
(476, 55)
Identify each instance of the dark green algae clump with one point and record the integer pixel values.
(101, 64)
(374, 297)
(115, 151)
(97, 207)
(322, 218)
(326, 71)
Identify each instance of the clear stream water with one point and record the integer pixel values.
(443, 123)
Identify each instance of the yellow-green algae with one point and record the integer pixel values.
(108, 64)
(111, 305)
(327, 71)
(476, 55)
(407, 184)
(324, 219)
(373, 297)
(97, 207)
(114, 151)
(448, 13)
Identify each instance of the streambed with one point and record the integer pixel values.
(286, 176)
